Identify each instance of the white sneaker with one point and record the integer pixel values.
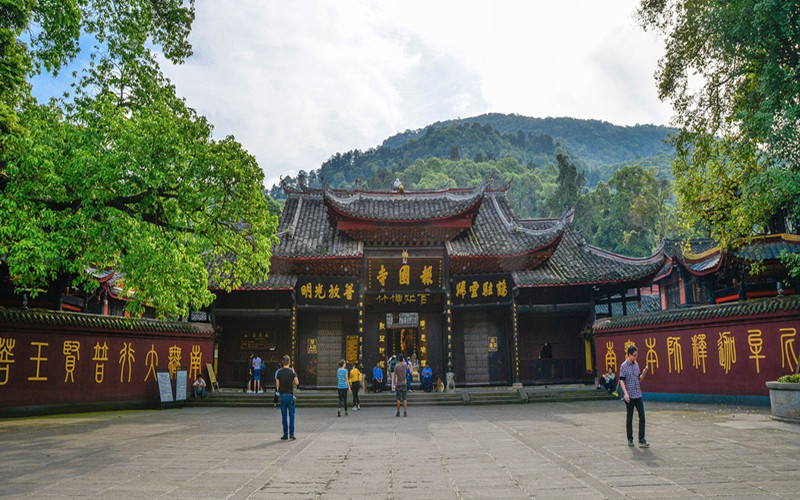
(249, 392)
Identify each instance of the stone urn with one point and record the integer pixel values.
(784, 399)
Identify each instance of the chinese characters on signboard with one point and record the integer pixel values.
(416, 273)
(481, 289)
(325, 291)
(103, 361)
(257, 342)
(701, 352)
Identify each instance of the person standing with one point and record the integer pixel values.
(629, 379)
(249, 388)
(391, 364)
(355, 382)
(343, 386)
(285, 382)
(257, 373)
(277, 398)
(399, 385)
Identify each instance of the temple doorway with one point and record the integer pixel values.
(404, 341)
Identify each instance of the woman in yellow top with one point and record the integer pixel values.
(355, 381)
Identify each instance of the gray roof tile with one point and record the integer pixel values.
(574, 262)
(671, 316)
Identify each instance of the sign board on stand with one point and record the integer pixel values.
(181, 382)
(164, 387)
(212, 378)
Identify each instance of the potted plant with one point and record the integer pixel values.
(784, 398)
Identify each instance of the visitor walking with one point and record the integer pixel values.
(285, 382)
(355, 382)
(343, 386)
(629, 378)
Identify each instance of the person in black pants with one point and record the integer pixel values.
(285, 382)
(356, 376)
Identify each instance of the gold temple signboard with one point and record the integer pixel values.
(481, 289)
(352, 349)
(408, 273)
(325, 291)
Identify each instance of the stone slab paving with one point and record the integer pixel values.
(548, 450)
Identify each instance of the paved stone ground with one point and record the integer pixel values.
(551, 450)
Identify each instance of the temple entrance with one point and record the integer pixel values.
(404, 341)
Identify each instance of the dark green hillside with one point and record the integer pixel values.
(617, 178)
(596, 148)
(455, 142)
(595, 142)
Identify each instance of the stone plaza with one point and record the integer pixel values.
(543, 450)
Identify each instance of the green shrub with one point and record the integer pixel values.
(793, 379)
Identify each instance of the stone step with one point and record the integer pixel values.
(469, 396)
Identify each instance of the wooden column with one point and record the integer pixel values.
(361, 328)
(449, 318)
(294, 334)
(515, 323)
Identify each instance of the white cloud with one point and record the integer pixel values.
(297, 82)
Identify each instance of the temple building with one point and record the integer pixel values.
(699, 272)
(450, 278)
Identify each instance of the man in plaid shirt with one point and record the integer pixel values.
(629, 378)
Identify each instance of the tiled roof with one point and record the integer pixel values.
(650, 303)
(677, 247)
(496, 231)
(274, 281)
(55, 318)
(574, 262)
(305, 230)
(733, 309)
(406, 206)
(703, 256)
(769, 247)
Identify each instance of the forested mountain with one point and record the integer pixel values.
(617, 178)
(595, 142)
(597, 148)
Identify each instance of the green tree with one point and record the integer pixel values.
(630, 215)
(732, 74)
(569, 185)
(123, 173)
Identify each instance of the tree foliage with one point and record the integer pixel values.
(732, 74)
(630, 215)
(122, 173)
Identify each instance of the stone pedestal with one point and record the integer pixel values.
(784, 399)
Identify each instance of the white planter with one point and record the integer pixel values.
(784, 399)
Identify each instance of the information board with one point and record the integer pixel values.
(164, 387)
(212, 378)
(181, 382)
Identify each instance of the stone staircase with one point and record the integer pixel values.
(461, 396)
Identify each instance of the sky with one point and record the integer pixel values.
(297, 82)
